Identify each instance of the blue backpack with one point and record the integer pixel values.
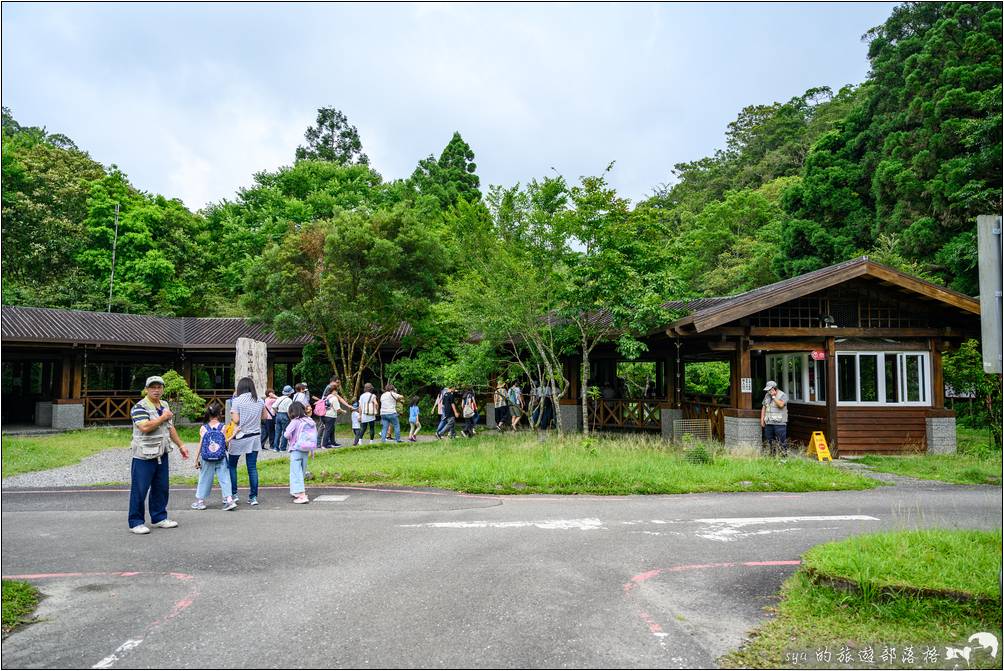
(214, 443)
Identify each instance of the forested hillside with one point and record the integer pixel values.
(897, 166)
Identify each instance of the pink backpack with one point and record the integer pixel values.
(320, 408)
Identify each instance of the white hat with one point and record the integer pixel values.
(770, 385)
(154, 379)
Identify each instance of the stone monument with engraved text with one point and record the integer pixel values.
(252, 362)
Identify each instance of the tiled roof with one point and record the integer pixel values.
(710, 312)
(51, 325)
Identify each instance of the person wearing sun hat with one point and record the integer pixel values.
(153, 433)
(774, 418)
(282, 418)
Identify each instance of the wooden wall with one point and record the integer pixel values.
(803, 419)
(874, 430)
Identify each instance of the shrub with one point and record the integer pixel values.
(183, 400)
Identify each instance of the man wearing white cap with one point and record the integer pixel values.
(774, 418)
(152, 434)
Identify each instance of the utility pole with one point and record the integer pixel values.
(115, 240)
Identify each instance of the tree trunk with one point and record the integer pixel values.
(584, 377)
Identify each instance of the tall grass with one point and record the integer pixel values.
(567, 465)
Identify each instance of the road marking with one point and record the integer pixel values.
(108, 661)
(727, 529)
(130, 644)
(331, 498)
(585, 524)
(656, 629)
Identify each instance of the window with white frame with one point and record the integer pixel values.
(881, 378)
(800, 377)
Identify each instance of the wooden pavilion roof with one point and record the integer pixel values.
(714, 312)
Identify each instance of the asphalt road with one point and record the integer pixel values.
(404, 578)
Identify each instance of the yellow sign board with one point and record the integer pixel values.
(818, 444)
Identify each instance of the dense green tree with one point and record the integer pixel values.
(45, 192)
(349, 281)
(332, 139)
(618, 273)
(452, 177)
(920, 157)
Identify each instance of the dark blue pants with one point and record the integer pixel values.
(776, 436)
(251, 461)
(149, 476)
(268, 432)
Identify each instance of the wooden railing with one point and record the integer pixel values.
(112, 405)
(707, 407)
(644, 415)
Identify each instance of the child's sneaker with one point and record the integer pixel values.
(229, 505)
(301, 499)
(199, 505)
(253, 500)
(237, 499)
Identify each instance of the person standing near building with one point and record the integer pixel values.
(369, 408)
(515, 404)
(449, 409)
(388, 413)
(333, 402)
(245, 411)
(774, 418)
(501, 401)
(268, 420)
(281, 408)
(152, 434)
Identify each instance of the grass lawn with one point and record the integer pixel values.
(974, 463)
(813, 618)
(19, 601)
(24, 454)
(523, 464)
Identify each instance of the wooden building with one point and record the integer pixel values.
(856, 346)
(67, 368)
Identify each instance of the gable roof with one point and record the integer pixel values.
(721, 311)
(52, 325)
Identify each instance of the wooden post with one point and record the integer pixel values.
(831, 395)
(186, 372)
(734, 379)
(78, 376)
(745, 398)
(65, 377)
(270, 367)
(937, 375)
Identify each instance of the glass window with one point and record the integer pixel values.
(795, 376)
(868, 369)
(820, 380)
(914, 378)
(847, 377)
(892, 394)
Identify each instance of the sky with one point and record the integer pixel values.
(190, 100)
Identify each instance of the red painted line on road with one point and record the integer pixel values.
(177, 609)
(649, 575)
(654, 627)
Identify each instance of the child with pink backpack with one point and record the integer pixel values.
(302, 436)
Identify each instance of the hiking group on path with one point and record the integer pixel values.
(293, 422)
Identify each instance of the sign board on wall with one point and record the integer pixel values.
(818, 355)
(746, 385)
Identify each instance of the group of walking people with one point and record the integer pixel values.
(293, 421)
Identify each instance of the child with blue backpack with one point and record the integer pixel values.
(212, 459)
(302, 436)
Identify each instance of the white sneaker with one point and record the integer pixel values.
(229, 505)
(166, 524)
(140, 529)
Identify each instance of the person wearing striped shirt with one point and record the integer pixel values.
(153, 433)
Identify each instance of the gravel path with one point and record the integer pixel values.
(110, 466)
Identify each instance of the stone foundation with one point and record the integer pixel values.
(667, 417)
(941, 435)
(67, 415)
(743, 432)
(571, 418)
(43, 413)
